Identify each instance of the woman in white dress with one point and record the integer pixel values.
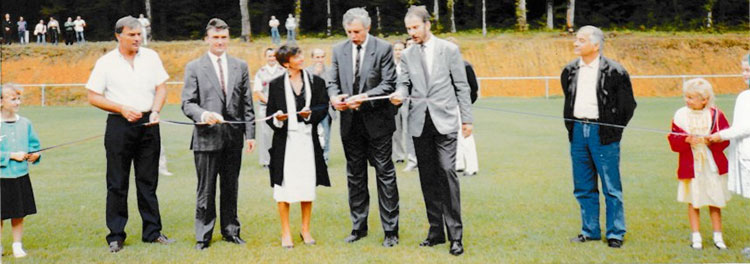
(298, 101)
(739, 135)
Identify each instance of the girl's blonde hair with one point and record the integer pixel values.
(702, 87)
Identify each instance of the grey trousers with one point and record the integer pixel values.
(264, 136)
(403, 144)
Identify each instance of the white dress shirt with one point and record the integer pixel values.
(429, 51)
(133, 86)
(264, 75)
(361, 57)
(586, 103)
(79, 24)
(224, 69)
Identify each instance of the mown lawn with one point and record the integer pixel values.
(520, 207)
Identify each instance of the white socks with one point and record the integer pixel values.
(697, 241)
(719, 241)
(18, 250)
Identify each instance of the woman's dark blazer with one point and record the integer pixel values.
(319, 107)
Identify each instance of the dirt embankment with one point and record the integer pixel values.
(542, 54)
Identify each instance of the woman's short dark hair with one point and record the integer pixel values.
(285, 52)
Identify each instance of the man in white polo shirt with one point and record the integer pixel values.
(129, 83)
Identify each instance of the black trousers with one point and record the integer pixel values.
(208, 164)
(7, 35)
(359, 148)
(53, 36)
(125, 144)
(436, 154)
(69, 37)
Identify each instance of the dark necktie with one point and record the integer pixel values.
(221, 76)
(424, 64)
(356, 70)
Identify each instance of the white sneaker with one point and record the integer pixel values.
(18, 251)
(720, 245)
(719, 241)
(697, 241)
(165, 173)
(696, 245)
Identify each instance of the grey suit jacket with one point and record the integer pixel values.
(377, 77)
(440, 96)
(202, 92)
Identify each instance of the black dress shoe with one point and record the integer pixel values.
(430, 242)
(162, 239)
(115, 246)
(200, 245)
(235, 239)
(581, 239)
(390, 241)
(457, 248)
(614, 243)
(354, 236)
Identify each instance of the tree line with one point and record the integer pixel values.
(186, 19)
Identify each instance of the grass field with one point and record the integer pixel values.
(520, 208)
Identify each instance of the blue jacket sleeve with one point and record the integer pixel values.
(34, 143)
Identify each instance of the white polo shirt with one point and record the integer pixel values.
(131, 86)
(586, 104)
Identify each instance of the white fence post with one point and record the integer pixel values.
(43, 91)
(546, 88)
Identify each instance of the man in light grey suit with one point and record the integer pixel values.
(319, 68)
(428, 67)
(363, 67)
(217, 88)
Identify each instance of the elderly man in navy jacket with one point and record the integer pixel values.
(597, 92)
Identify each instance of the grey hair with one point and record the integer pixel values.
(126, 21)
(357, 13)
(12, 87)
(315, 50)
(418, 12)
(596, 35)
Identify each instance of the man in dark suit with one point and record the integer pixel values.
(434, 69)
(217, 88)
(363, 67)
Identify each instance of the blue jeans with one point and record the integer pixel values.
(22, 37)
(590, 158)
(275, 37)
(79, 37)
(40, 39)
(290, 35)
